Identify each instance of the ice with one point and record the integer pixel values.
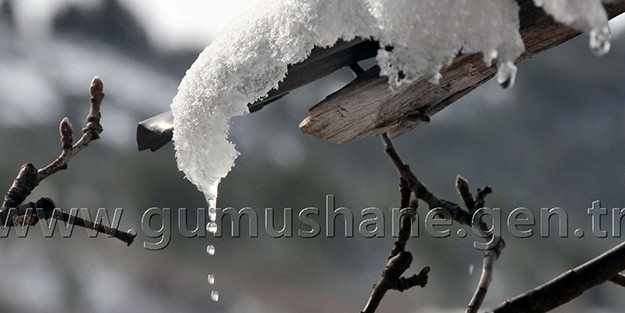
(583, 15)
(600, 40)
(417, 38)
(506, 74)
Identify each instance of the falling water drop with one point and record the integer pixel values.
(212, 213)
(211, 227)
(210, 249)
(600, 40)
(471, 269)
(215, 295)
(506, 74)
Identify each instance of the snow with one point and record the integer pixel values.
(584, 15)
(251, 57)
(427, 35)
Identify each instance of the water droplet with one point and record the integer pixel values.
(212, 214)
(471, 268)
(506, 74)
(211, 279)
(210, 249)
(215, 295)
(600, 40)
(211, 227)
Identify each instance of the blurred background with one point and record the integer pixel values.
(554, 140)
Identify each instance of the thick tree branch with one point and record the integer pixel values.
(570, 284)
(13, 213)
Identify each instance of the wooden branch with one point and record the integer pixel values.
(91, 131)
(491, 255)
(32, 212)
(368, 107)
(13, 213)
(569, 285)
(419, 190)
(488, 264)
(399, 260)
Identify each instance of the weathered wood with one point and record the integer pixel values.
(368, 107)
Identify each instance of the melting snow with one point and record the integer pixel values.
(251, 57)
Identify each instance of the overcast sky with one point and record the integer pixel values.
(171, 24)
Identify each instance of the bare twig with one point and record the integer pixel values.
(569, 285)
(471, 217)
(91, 132)
(420, 190)
(392, 280)
(399, 260)
(491, 255)
(127, 237)
(13, 213)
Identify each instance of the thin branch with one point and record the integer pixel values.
(569, 285)
(91, 131)
(491, 255)
(488, 263)
(392, 280)
(127, 237)
(399, 260)
(13, 213)
(420, 190)
(470, 217)
(29, 214)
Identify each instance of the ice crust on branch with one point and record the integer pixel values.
(417, 38)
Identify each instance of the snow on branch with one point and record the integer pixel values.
(417, 40)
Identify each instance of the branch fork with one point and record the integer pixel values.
(400, 259)
(14, 213)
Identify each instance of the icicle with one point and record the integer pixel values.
(600, 40)
(506, 74)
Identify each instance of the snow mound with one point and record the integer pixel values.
(417, 39)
